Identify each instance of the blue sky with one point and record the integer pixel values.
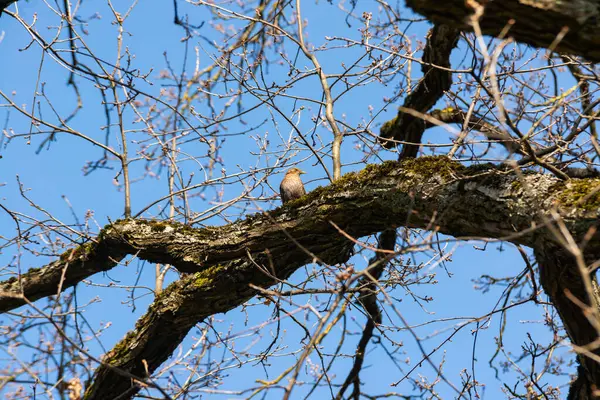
(55, 179)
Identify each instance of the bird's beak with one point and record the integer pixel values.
(301, 172)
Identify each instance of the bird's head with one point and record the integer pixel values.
(294, 171)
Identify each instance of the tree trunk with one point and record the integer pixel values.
(578, 308)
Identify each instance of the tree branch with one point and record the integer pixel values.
(578, 308)
(431, 193)
(541, 23)
(408, 128)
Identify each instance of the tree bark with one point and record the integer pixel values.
(536, 22)
(431, 193)
(562, 281)
(408, 128)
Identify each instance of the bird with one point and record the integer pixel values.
(291, 187)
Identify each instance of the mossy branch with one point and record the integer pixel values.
(428, 192)
(227, 262)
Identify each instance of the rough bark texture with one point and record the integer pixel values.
(536, 22)
(72, 267)
(429, 192)
(158, 333)
(409, 128)
(487, 204)
(561, 278)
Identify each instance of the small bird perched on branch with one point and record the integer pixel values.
(291, 187)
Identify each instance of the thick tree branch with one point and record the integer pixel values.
(578, 308)
(174, 312)
(369, 283)
(541, 23)
(73, 266)
(430, 193)
(408, 128)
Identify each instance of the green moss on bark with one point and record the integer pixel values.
(427, 167)
(581, 193)
(80, 252)
(204, 277)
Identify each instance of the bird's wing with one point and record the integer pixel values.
(282, 192)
